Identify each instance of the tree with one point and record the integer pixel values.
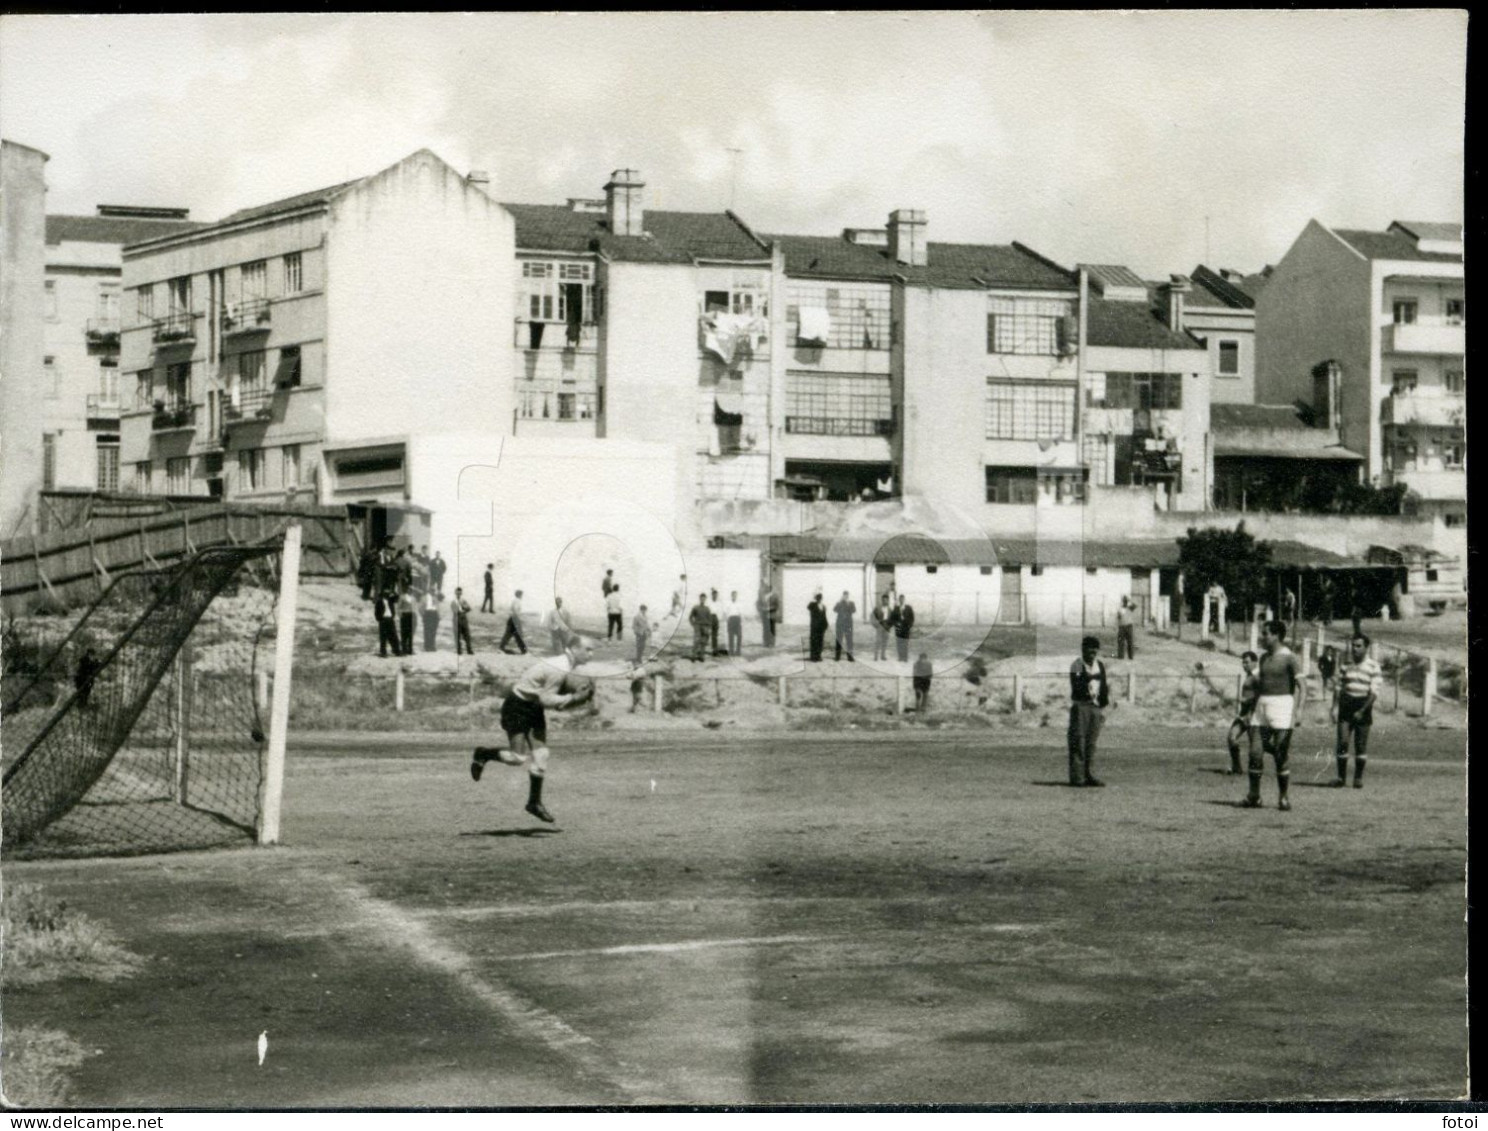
(1231, 557)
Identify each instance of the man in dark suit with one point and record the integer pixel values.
(817, 612)
(903, 627)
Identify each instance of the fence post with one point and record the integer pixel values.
(1305, 659)
(398, 689)
(1017, 693)
(658, 693)
(1428, 692)
(781, 682)
(900, 684)
(1239, 690)
(1321, 638)
(1131, 686)
(1396, 681)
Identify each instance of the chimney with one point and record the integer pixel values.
(623, 203)
(907, 237)
(1173, 291)
(478, 177)
(1327, 383)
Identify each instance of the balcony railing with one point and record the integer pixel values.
(172, 416)
(103, 406)
(1433, 336)
(557, 403)
(176, 327)
(248, 405)
(532, 335)
(249, 316)
(837, 426)
(103, 331)
(1435, 408)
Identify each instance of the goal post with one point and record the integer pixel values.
(272, 787)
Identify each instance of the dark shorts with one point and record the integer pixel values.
(1355, 711)
(521, 716)
(922, 683)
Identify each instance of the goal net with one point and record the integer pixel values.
(143, 728)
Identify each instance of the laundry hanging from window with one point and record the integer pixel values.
(816, 326)
(731, 336)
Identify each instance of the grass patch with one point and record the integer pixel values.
(46, 941)
(36, 1063)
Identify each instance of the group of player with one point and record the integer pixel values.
(1272, 696)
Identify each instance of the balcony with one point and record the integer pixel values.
(837, 426)
(250, 316)
(537, 335)
(1425, 336)
(1429, 407)
(104, 407)
(558, 403)
(247, 406)
(178, 328)
(102, 331)
(173, 416)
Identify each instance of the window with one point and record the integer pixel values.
(1452, 381)
(1027, 410)
(108, 380)
(294, 273)
(255, 280)
(252, 372)
(1432, 575)
(1404, 310)
(1455, 519)
(857, 315)
(291, 466)
(1404, 381)
(143, 382)
(142, 476)
(932, 569)
(178, 475)
(1456, 311)
(108, 463)
(144, 303)
(566, 406)
(551, 288)
(1091, 570)
(51, 378)
(180, 294)
(50, 300)
(1229, 359)
(48, 461)
(178, 384)
(287, 376)
(250, 470)
(1027, 325)
(108, 301)
(986, 571)
(744, 295)
(1036, 571)
(1135, 390)
(838, 404)
(1012, 485)
(1453, 455)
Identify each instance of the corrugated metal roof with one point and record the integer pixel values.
(671, 237)
(1114, 275)
(1430, 229)
(1211, 289)
(112, 229)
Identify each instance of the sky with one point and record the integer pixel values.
(1160, 140)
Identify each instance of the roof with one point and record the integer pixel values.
(959, 265)
(289, 203)
(1392, 245)
(671, 237)
(914, 549)
(1287, 554)
(112, 229)
(1431, 229)
(1284, 447)
(1132, 325)
(1231, 416)
(1114, 275)
(1212, 289)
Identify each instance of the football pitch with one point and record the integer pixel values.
(894, 918)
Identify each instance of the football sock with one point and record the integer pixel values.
(534, 789)
(1358, 768)
(1342, 766)
(1255, 785)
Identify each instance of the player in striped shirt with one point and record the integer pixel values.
(1359, 679)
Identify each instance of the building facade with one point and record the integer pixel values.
(22, 392)
(1222, 312)
(1389, 308)
(80, 367)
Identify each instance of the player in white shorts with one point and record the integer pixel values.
(1281, 693)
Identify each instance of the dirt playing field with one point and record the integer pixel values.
(882, 918)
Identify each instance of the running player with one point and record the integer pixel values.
(1359, 679)
(526, 725)
(1240, 728)
(1280, 695)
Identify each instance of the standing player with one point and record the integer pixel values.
(1359, 680)
(1090, 694)
(1280, 695)
(1240, 728)
(525, 723)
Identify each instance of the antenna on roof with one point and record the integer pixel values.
(1206, 241)
(733, 174)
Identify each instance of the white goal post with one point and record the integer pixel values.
(271, 790)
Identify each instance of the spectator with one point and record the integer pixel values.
(845, 610)
(1090, 694)
(488, 602)
(436, 572)
(514, 624)
(432, 600)
(816, 613)
(609, 584)
(614, 612)
(701, 620)
(922, 673)
(904, 618)
(406, 609)
(387, 623)
(460, 611)
(640, 629)
(1126, 631)
(713, 625)
(559, 628)
(767, 605)
(735, 619)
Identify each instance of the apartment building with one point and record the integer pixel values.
(81, 328)
(22, 269)
(249, 375)
(1221, 311)
(1388, 308)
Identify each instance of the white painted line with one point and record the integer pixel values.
(668, 948)
(650, 906)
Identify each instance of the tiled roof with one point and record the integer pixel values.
(1284, 445)
(1213, 289)
(1299, 555)
(671, 237)
(956, 265)
(1390, 245)
(910, 549)
(111, 229)
(1430, 229)
(288, 203)
(1133, 325)
(1113, 275)
(1276, 416)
